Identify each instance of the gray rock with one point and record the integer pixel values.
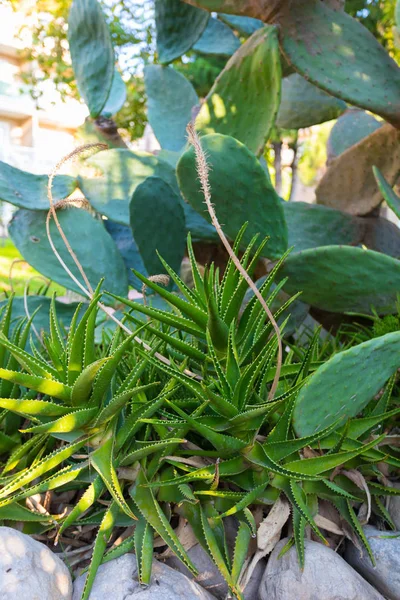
(326, 576)
(209, 576)
(29, 570)
(394, 507)
(117, 580)
(386, 575)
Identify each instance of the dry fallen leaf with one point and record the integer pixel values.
(268, 535)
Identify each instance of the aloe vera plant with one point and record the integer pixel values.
(126, 427)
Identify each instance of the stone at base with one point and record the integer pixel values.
(117, 580)
(386, 550)
(29, 570)
(326, 576)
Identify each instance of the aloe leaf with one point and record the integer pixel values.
(41, 408)
(153, 514)
(118, 402)
(299, 526)
(148, 449)
(320, 464)
(43, 385)
(227, 468)
(82, 387)
(102, 460)
(143, 541)
(100, 545)
(221, 442)
(89, 497)
(215, 552)
(73, 421)
(16, 512)
(32, 365)
(42, 466)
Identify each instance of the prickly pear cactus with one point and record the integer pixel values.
(345, 384)
(179, 26)
(349, 183)
(158, 225)
(92, 53)
(334, 51)
(93, 246)
(120, 171)
(27, 190)
(241, 191)
(244, 99)
(312, 226)
(217, 39)
(352, 127)
(304, 105)
(344, 279)
(170, 101)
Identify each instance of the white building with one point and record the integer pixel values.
(30, 138)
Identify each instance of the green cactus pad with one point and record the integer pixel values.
(27, 190)
(117, 96)
(311, 226)
(246, 26)
(304, 105)
(217, 39)
(249, 85)
(123, 239)
(158, 225)
(352, 127)
(240, 191)
(381, 235)
(314, 226)
(179, 26)
(335, 52)
(92, 53)
(349, 183)
(346, 383)
(170, 101)
(344, 279)
(28, 232)
(391, 198)
(121, 171)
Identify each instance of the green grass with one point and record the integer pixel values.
(22, 274)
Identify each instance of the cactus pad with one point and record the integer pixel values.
(240, 190)
(179, 26)
(27, 190)
(311, 226)
(117, 96)
(123, 239)
(249, 85)
(170, 100)
(349, 183)
(352, 127)
(217, 38)
(346, 383)
(28, 232)
(335, 52)
(92, 53)
(304, 105)
(246, 26)
(158, 225)
(121, 171)
(344, 279)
